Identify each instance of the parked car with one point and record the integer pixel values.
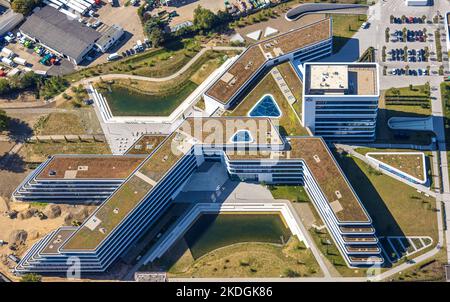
(365, 25)
(14, 258)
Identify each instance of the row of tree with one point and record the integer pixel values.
(43, 87)
(204, 21)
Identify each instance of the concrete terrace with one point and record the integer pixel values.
(255, 57)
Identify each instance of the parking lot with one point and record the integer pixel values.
(185, 9)
(34, 60)
(408, 46)
(128, 20)
(29, 55)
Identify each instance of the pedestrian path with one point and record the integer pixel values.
(397, 247)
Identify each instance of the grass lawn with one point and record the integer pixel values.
(249, 260)
(428, 270)
(322, 238)
(328, 248)
(445, 92)
(417, 90)
(38, 152)
(197, 73)
(396, 208)
(59, 123)
(294, 83)
(292, 193)
(428, 156)
(411, 164)
(135, 97)
(385, 112)
(364, 151)
(152, 63)
(292, 80)
(288, 122)
(344, 27)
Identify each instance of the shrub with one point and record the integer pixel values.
(31, 278)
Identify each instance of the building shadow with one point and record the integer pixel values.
(383, 220)
(19, 131)
(12, 163)
(344, 50)
(387, 135)
(121, 42)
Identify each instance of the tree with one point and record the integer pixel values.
(3, 120)
(156, 37)
(24, 6)
(154, 29)
(31, 278)
(53, 86)
(204, 19)
(28, 80)
(4, 86)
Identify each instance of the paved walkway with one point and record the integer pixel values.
(351, 150)
(164, 79)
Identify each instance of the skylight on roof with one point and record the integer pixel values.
(265, 107)
(242, 136)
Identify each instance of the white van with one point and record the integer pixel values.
(113, 56)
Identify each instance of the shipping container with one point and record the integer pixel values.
(20, 61)
(40, 72)
(7, 61)
(7, 52)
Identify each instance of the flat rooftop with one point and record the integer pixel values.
(329, 77)
(57, 31)
(251, 60)
(57, 240)
(90, 167)
(341, 79)
(213, 132)
(333, 183)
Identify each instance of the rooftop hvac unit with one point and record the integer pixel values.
(75, 8)
(84, 3)
(56, 2)
(79, 4)
(68, 14)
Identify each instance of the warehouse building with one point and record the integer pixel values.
(109, 37)
(9, 20)
(68, 38)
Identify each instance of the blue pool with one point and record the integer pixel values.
(266, 107)
(242, 136)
